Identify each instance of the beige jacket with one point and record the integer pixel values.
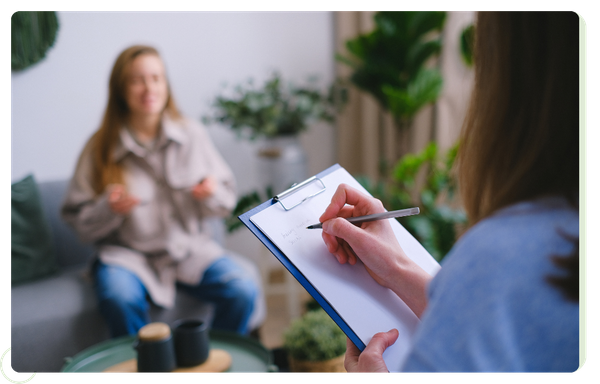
(164, 239)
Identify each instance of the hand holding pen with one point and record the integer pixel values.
(374, 243)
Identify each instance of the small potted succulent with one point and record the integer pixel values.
(314, 343)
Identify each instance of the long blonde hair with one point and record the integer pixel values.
(105, 169)
(520, 139)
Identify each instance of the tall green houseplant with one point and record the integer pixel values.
(393, 63)
(390, 62)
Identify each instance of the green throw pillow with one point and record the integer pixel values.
(32, 248)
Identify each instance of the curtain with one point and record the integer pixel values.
(366, 135)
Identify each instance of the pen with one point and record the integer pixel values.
(377, 216)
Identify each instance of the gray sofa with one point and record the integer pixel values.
(56, 317)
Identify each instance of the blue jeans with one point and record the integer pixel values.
(123, 299)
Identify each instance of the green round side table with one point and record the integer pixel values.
(248, 355)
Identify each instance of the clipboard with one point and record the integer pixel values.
(299, 195)
(278, 199)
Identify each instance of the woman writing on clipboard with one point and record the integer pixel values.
(141, 189)
(506, 298)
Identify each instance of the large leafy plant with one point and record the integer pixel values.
(425, 180)
(390, 62)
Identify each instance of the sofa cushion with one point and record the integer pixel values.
(70, 251)
(33, 254)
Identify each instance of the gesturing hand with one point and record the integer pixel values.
(205, 188)
(119, 200)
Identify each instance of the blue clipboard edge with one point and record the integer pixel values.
(245, 218)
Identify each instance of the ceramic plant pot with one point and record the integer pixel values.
(282, 162)
(333, 365)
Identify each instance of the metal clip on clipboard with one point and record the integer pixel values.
(297, 187)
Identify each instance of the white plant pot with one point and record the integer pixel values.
(282, 162)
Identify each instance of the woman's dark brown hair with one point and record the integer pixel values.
(520, 139)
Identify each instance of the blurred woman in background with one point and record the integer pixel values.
(143, 185)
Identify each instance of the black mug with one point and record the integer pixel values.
(191, 342)
(155, 350)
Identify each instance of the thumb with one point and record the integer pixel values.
(371, 358)
(382, 341)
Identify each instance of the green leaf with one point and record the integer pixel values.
(425, 22)
(244, 204)
(407, 167)
(418, 54)
(427, 235)
(422, 90)
(428, 198)
(467, 41)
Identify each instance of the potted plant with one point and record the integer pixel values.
(314, 343)
(392, 64)
(272, 111)
(276, 115)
